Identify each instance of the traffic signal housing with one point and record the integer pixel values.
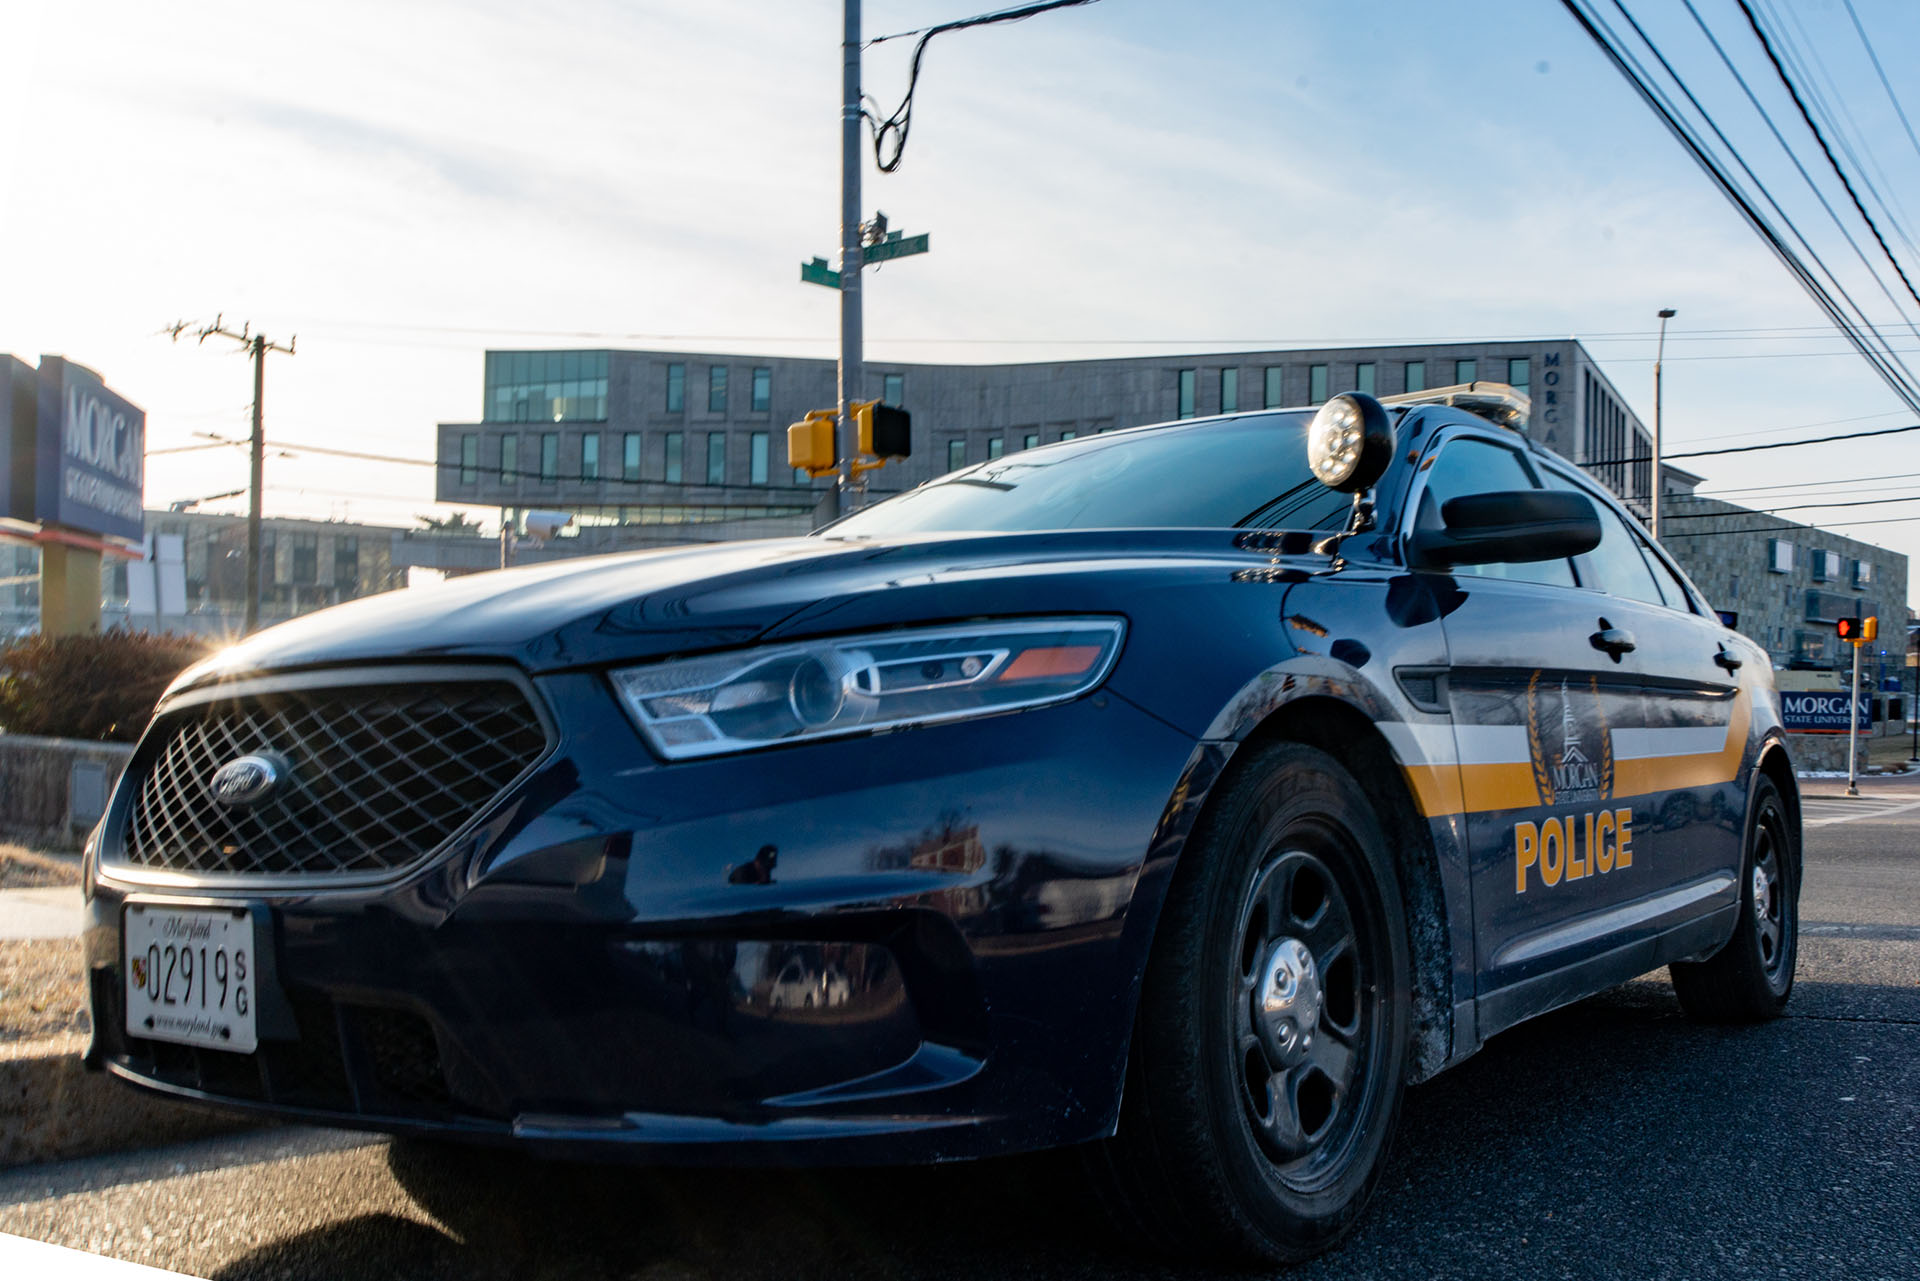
(1857, 630)
(883, 431)
(810, 443)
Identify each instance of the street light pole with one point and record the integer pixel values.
(850, 319)
(1666, 314)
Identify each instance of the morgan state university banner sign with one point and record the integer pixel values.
(72, 452)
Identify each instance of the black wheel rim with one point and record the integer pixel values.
(1304, 1096)
(1769, 896)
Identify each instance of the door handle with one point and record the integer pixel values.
(1614, 640)
(1727, 659)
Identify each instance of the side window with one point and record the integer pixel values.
(1664, 578)
(1470, 466)
(1616, 565)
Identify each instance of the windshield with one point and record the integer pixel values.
(1238, 472)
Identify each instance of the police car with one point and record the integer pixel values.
(1181, 793)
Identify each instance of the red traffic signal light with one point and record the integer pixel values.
(1857, 630)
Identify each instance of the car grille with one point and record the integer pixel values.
(380, 776)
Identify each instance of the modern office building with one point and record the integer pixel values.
(667, 438)
(651, 447)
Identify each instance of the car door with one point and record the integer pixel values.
(1544, 666)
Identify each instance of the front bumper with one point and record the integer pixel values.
(939, 958)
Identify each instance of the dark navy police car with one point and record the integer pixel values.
(1183, 792)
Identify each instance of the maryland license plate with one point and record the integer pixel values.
(190, 975)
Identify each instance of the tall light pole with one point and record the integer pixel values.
(1666, 314)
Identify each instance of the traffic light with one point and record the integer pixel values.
(884, 431)
(1856, 630)
(810, 443)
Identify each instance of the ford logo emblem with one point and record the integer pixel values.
(247, 780)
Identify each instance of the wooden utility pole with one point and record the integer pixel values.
(258, 346)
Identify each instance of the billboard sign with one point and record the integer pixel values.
(1813, 711)
(90, 453)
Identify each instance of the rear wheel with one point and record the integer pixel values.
(1270, 1049)
(1752, 976)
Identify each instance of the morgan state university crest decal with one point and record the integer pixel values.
(1568, 740)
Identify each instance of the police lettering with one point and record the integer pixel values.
(1572, 848)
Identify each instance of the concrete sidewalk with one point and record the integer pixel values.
(50, 912)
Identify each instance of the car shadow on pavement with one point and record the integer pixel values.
(1613, 1138)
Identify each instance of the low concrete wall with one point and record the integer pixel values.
(53, 790)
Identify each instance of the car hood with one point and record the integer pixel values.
(650, 604)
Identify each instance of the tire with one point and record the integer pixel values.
(1247, 1136)
(1751, 977)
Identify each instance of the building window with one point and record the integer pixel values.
(1363, 379)
(546, 386)
(306, 557)
(956, 454)
(1030, 440)
(996, 446)
(1733, 587)
(1185, 406)
(1464, 371)
(549, 457)
(1862, 573)
(716, 389)
(676, 388)
(757, 458)
(509, 458)
(1316, 384)
(630, 456)
(590, 457)
(800, 477)
(894, 389)
(762, 390)
(1416, 375)
(1780, 556)
(717, 457)
(674, 448)
(1229, 391)
(346, 563)
(1273, 391)
(1519, 373)
(469, 459)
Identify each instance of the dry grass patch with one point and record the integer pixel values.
(41, 993)
(22, 868)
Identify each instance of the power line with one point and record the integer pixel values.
(898, 124)
(1774, 511)
(1794, 93)
(1907, 377)
(1637, 78)
(1882, 73)
(1774, 529)
(509, 473)
(1748, 449)
(1813, 77)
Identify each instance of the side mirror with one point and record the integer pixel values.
(1514, 527)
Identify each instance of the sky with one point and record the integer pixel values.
(402, 185)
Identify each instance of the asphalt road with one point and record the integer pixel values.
(1612, 1139)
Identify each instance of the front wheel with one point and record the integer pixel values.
(1752, 976)
(1270, 1049)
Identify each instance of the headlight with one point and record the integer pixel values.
(856, 684)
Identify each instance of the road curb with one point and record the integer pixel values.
(52, 1108)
